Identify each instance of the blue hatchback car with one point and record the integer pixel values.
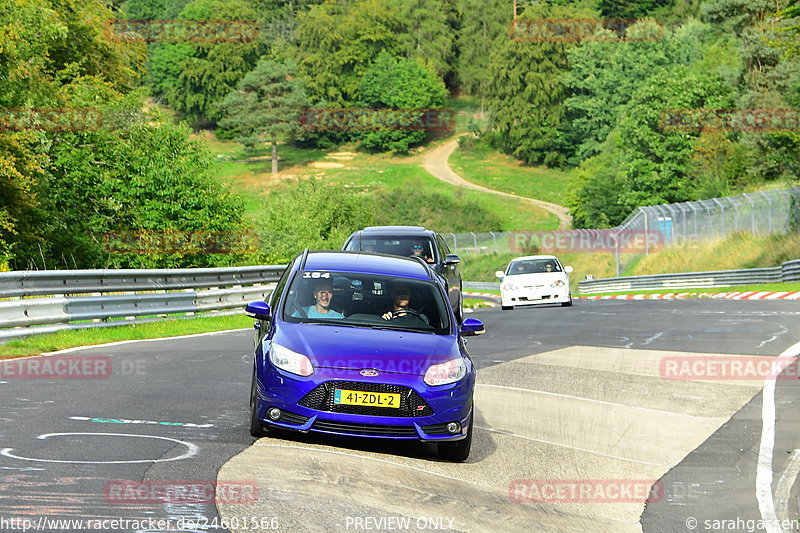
(363, 345)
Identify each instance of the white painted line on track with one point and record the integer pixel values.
(602, 402)
(766, 502)
(584, 450)
(191, 450)
(785, 486)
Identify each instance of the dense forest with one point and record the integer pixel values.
(96, 115)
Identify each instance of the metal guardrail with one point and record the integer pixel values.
(60, 282)
(480, 286)
(787, 272)
(144, 293)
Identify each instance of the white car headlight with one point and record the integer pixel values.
(445, 373)
(290, 361)
(558, 283)
(509, 287)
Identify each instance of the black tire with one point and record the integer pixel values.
(457, 451)
(256, 427)
(507, 307)
(567, 304)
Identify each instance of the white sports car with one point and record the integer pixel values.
(533, 280)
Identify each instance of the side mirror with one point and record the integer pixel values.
(451, 259)
(568, 269)
(258, 310)
(500, 274)
(471, 327)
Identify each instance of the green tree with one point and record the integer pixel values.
(399, 84)
(265, 107)
(484, 23)
(195, 77)
(602, 78)
(526, 93)
(336, 44)
(427, 33)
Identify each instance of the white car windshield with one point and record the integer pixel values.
(533, 266)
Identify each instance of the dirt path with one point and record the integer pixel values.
(436, 163)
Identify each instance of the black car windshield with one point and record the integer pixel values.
(402, 246)
(533, 266)
(366, 300)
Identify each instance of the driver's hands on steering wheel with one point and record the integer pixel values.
(388, 315)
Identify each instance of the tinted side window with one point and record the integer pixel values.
(442, 246)
(276, 294)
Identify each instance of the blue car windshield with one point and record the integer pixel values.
(366, 300)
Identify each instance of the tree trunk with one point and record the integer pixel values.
(274, 157)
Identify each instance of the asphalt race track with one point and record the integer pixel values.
(581, 425)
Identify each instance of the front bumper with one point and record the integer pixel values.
(545, 295)
(290, 394)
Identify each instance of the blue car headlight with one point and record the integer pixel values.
(445, 373)
(293, 362)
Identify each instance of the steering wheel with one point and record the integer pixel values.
(413, 312)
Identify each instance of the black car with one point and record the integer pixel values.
(414, 241)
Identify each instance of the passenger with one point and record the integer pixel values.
(548, 267)
(323, 294)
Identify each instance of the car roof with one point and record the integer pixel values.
(396, 230)
(367, 263)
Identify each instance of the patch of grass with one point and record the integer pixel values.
(739, 250)
(485, 166)
(481, 267)
(38, 344)
(473, 303)
(763, 287)
(370, 172)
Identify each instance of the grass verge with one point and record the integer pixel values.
(51, 342)
(485, 166)
(763, 287)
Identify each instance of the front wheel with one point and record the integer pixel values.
(507, 307)
(256, 427)
(567, 304)
(457, 451)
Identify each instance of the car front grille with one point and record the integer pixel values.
(411, 403)
(365, 429)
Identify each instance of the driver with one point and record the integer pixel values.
(401, 299)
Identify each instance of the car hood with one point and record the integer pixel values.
(542, 278)
(356, 348)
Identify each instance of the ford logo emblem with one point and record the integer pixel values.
(369, 373)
